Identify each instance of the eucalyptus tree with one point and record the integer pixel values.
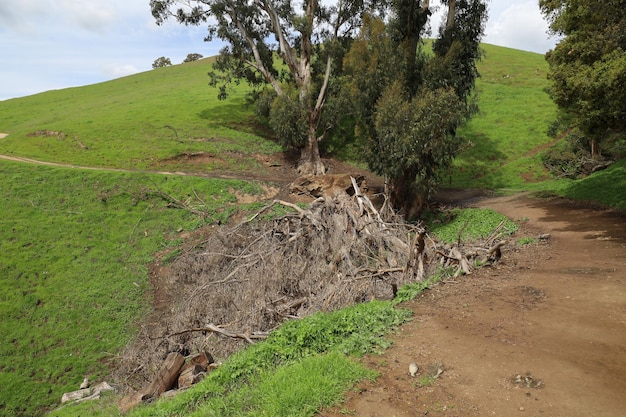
(588, 66)
(410, 100)
(257, 32)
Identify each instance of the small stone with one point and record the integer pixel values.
(413, 368)
(521, 408)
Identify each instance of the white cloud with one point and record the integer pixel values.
(116, 71)
(51, 44)
(520, 26)
(17, 16)
(92, 15)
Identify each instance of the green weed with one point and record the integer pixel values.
(300, 368)
(426, 381)
(527, 240)
(467, 224)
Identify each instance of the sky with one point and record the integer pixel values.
(53, 44)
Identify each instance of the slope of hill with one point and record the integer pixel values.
(72, 238)
(511, 128)
(157, 119)
(152, 119)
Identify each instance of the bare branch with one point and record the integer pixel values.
(217, 329)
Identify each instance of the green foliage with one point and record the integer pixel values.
(457, 50)
(275, 376)
(527, 240)
(426, 381)
(73, 259)
(161, 62)
(410, 291)
(467, 224)
(413, 135)
(192, 57)
(411, 103)
(588, 66)
(288, 122)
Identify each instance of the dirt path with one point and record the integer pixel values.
(541, 334)
(273, 177)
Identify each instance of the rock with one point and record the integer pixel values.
(75, 395)
(413, 369)
(102, 387)
(85, 383)
(86, 394)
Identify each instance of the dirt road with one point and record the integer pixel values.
(541, 334)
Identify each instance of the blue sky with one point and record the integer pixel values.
(53, 44)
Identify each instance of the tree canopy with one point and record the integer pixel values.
(161, 62)
(359, 62)
(258, 31)
(588, 66)
(192, 57)
(410, 101)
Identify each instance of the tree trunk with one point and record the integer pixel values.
(451, 14)
(167, 376)
(310, 162)
(595, 153)
(407, 197)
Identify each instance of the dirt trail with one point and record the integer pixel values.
(552, 312)
(541, 334)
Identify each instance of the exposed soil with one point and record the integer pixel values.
(543, 333)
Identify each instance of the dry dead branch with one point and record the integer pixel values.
(217, 329)
(338, 251)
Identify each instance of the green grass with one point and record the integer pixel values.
(509, 131)
(73, 258)
(468, 224)
(299, 369)
(123, 123)
(76, 243)
(607, 187)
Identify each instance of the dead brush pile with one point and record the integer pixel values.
(245, 281)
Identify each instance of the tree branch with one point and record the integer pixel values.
(216, 329)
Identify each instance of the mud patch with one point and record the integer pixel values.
(47, 133)
(195, 157)
(269, 192)
(531, 294)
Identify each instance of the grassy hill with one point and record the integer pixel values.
(144, 121)
(511, 128)
(76, 243)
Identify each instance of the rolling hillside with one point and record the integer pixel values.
(76, 243)
(148, 120)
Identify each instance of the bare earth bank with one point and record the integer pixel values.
(543, 333)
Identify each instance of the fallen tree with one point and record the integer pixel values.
(243, 282)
